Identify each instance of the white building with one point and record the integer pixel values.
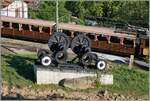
(16, 8)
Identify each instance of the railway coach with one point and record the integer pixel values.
(103, 39)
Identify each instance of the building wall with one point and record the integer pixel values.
(16, 9)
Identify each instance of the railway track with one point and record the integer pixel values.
(19, 44)
(33, 49)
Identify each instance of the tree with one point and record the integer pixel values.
(47, 11)
(77, 8)
(132, 12)
(135, 12)
(95, 8)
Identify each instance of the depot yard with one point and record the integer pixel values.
(17, 72)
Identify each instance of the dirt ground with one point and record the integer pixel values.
(49, 94)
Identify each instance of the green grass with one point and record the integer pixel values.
(126, 81)
(146, 59)
(17, 70)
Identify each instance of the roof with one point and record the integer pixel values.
(28, 21)
(10, 1)
(7, 2)
(95, 30)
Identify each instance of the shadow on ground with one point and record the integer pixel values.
(18, 97)
(22, 65)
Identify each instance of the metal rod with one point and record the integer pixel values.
(57, 16)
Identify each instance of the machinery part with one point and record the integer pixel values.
(94, 56)
(61, 57)
(42, 52)
(58, 42)
(101, 64)
(81, 44)
(45, 60)
(86, 59)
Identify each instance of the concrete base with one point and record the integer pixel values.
(53, 75)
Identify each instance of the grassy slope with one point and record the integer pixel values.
(126, 81)
(17, 70)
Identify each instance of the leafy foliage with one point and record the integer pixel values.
(47, 11)
(132, 12)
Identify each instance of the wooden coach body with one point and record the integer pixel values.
(103, 39)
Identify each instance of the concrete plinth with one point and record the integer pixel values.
(53, 75)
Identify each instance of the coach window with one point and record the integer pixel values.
(91, 36)
(102, 38)
(35, 28)
(5, 24)
(147, 43)
(46, 29)
(15, 25)
(128, 42)
(25, 26)
(115, 39)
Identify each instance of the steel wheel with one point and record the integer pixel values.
(58, 42)
(42, 52)
(46, 60)
(81, 44)
(101, 64)
(94, 56)
(86, 59)
(61, 56)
